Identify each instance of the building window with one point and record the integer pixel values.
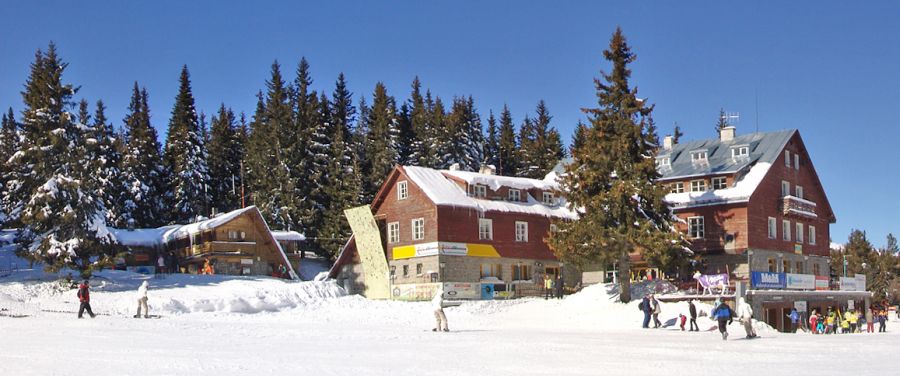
(548, 198)
(699, 156)
(477, 190)
(785, 266)
(515, 195)
(418, 229)
(740, 151)
(698, 185)
(719, 183)
(798, 268)
(678, 187)
(490, 270)
(237, 235)
(796, 161)
(405, 271)
(812, 235)
(816, 269)
(772, 267)
(786, 229)
(785, 188)
(402, 190)
(485, 229)
(773, 228)
(663, 162)
(787, 159)
(521, 231)
(696, 228)
(394, 232)
(798, 191)
(521, 272)
(419, 269)
(799, 232)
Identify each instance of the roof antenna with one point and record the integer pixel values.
(731, 118)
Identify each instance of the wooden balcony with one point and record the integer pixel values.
(797, 207)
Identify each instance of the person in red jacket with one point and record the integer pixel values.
(84, 296)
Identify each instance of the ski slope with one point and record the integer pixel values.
(217, 325)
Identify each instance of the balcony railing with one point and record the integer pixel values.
(795, 206)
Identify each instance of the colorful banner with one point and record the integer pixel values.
(444, 248)
(461, 290)
(414, 291)
(766, 280)
(857, 283)
(371, 254)
(800, 281)
(822, 283)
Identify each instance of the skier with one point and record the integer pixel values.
(437, 303)
(692, 309)
(795, 320)
(84, 296)
(656, 312)
(142, 300)
(560, 286)
(745, 315)
(724, 315)
(647, 309)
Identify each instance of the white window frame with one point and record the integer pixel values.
(785, 188)
(787, 158)
(485, 229)
(798, 191)
(518, 195)
(699, 156)
(740, 152)
(696, 227)
(478, 190)
(773, 228)
(723, 183)
(521, 231)
(393, 232)
(548, 199)
(786, 230)
(799, 232)
(678, 187)
(663, 162)
(418, 229)
(700, 185)
(812, 235)
(402, 190)
(796, 161)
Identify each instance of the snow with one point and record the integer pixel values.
(236, 326)
(444, 192)
(740, 192)
(288, 235)
(497, 181)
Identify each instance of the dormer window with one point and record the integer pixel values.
(663, 162)
(740, 152)
(548, 199)
(699, 156)
(477, 190)
(514, 195)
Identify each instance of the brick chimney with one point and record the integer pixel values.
(667, 142)
(727, 133)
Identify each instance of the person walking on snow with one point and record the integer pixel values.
(142, 300)
(795, 320)
(813, 322)
(724, 315)
(745, 315)
(647, 309)
(84, 296)
(692, 309)
(161, 264)
(548, 286)
(437, 303)
(656, 312)
(560, 286)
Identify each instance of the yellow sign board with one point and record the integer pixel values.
(371, 254)
(444, 248)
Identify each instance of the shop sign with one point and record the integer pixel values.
(458, 290)
(800, 305)
(822, 283)
(850, 304)
(798, 248)
(800, 281)
(857, 283)
(245, 261)
(767, 280)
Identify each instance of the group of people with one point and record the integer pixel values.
(834, 322)
(84, 299)
(722, 313)
(553, 286)
(650, 306)
(167, 263)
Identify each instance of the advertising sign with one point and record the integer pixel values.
(822, 283)
(487, 291)
(766, 280)
(850, 304)
(371, 254)
(460, 290)
(415, 291)
(857, 283)
(800, 305)
(860, 282)
(800, 281)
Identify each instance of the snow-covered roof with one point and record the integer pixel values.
(288, 235)
(740, 192)
(762, 147)
(444, 192)
(150, 237)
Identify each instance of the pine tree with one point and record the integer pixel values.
(509, 146)
(434, 137)
(63, 224)
(103, 156)
(309, 157)
(9, 145)
(613, 178)
(676, 135)
(141, 203)
(722, 121)
(464, 137)
(540, 145)
(406, 138)
(492, 143)
(527, 144)
(225, 155)
(185, 157)
(578, 137)
(382, 141)
(421, 151)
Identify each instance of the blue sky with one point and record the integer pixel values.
(827, 68)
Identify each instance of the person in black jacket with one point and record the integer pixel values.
(84, 296)
(724, 315)
(693, 311)
(647, 309)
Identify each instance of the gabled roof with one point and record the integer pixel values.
(763, 147)
(442, 191)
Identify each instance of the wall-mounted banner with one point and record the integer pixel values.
(822, 283)
(765, 280)
(800, 281)
(462, 290)
(857, 283)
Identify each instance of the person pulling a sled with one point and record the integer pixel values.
(84, 296)
(142, 300)
(437, 303)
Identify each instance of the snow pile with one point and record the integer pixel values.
(496, 181)
(740, 192)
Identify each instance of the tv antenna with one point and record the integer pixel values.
(731, 118)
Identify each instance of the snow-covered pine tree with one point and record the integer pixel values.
(464, 140)
(613, 179)
(527, 144)
(63, 221)
(103, 156)
(382, 144)
(143, 174)
(508, 153)
(434, 135)
(225, 154)
(578, 137)
(420, 150)
(407, 137)
(541, 146)
(492, 142)
(185, 157)
(308, 154)
(9, 145)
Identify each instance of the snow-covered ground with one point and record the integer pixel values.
(216, 325)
